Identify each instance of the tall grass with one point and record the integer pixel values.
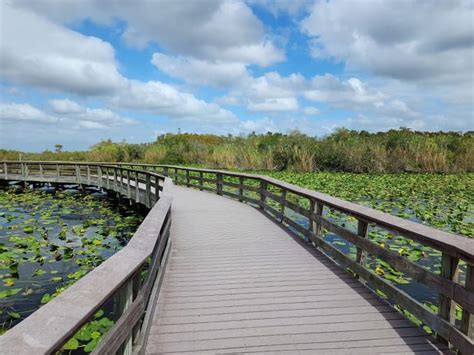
(400, 150)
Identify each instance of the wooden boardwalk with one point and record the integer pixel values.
(238, 283)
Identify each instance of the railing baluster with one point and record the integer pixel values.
(316, 227)
(148, 190)
(447, 308)
(467, 320)
(241, 188)
(128, 185)
(263, 195)
(219, 183)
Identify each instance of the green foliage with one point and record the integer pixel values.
(399, 150)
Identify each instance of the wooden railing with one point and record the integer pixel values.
(118, 279)
(288, 204)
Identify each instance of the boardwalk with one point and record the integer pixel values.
(223, 276)
(238, 283)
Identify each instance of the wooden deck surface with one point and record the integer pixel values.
(238, 283)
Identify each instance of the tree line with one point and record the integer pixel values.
(400, 150)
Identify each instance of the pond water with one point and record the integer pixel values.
(51, 238)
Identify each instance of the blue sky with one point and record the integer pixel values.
(76, 72)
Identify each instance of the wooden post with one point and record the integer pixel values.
(157, 189)
(263, 196)
(187, 178)
(148, 190)
(26, 171)
(282, 205)
(316, 227)
(58, 174)
(128, 185)
(201, 181)
(99, 175)
(107, 175)
(219, 183)
(115, 179)
(137, 188)
(241, 187)
(88, 174)
(176, 178)
(447, 308)
(78, 173)
(362, 229)
(467, 320)
(124, 300)
(165, 171)
(5, 170)
(41, 171)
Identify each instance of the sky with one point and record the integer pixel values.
(77, 72)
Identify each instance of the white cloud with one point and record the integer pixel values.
(163, 99)
(311, 111)
(407, 40)
(274, 105)
(201, 72)
(65, 106)
(15, 112)
(39, 53)
(207, 29)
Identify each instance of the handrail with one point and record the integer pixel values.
(265, 192)
(118, 278)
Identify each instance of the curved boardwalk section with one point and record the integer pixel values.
(237, 282)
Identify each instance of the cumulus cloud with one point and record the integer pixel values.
(15, 112)
(163, 99)
(387, 38)
(206, 29)
(65, 106)
(201, 72)
(39, 53)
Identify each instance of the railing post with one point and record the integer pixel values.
(241, 187)
(219, 183)
(467, 320)
(157, 189)
(148, 190)
(316, 227)
(124, 300)
(88, 174)
(187, 178)
(5, 170)
(128, 185)
(362, 230)
(58, 174)
(447, 308)
(137, 188)
(263, 195)
(165, 171)
(78, 173)
(176, 176)
(99, 175)
(41, 171)
(115, 179)
(107, 174)
(26, 171)
(201, 181)
(283, 203)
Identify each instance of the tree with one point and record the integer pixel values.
(58, 148)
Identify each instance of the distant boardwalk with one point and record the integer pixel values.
(236, 282)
